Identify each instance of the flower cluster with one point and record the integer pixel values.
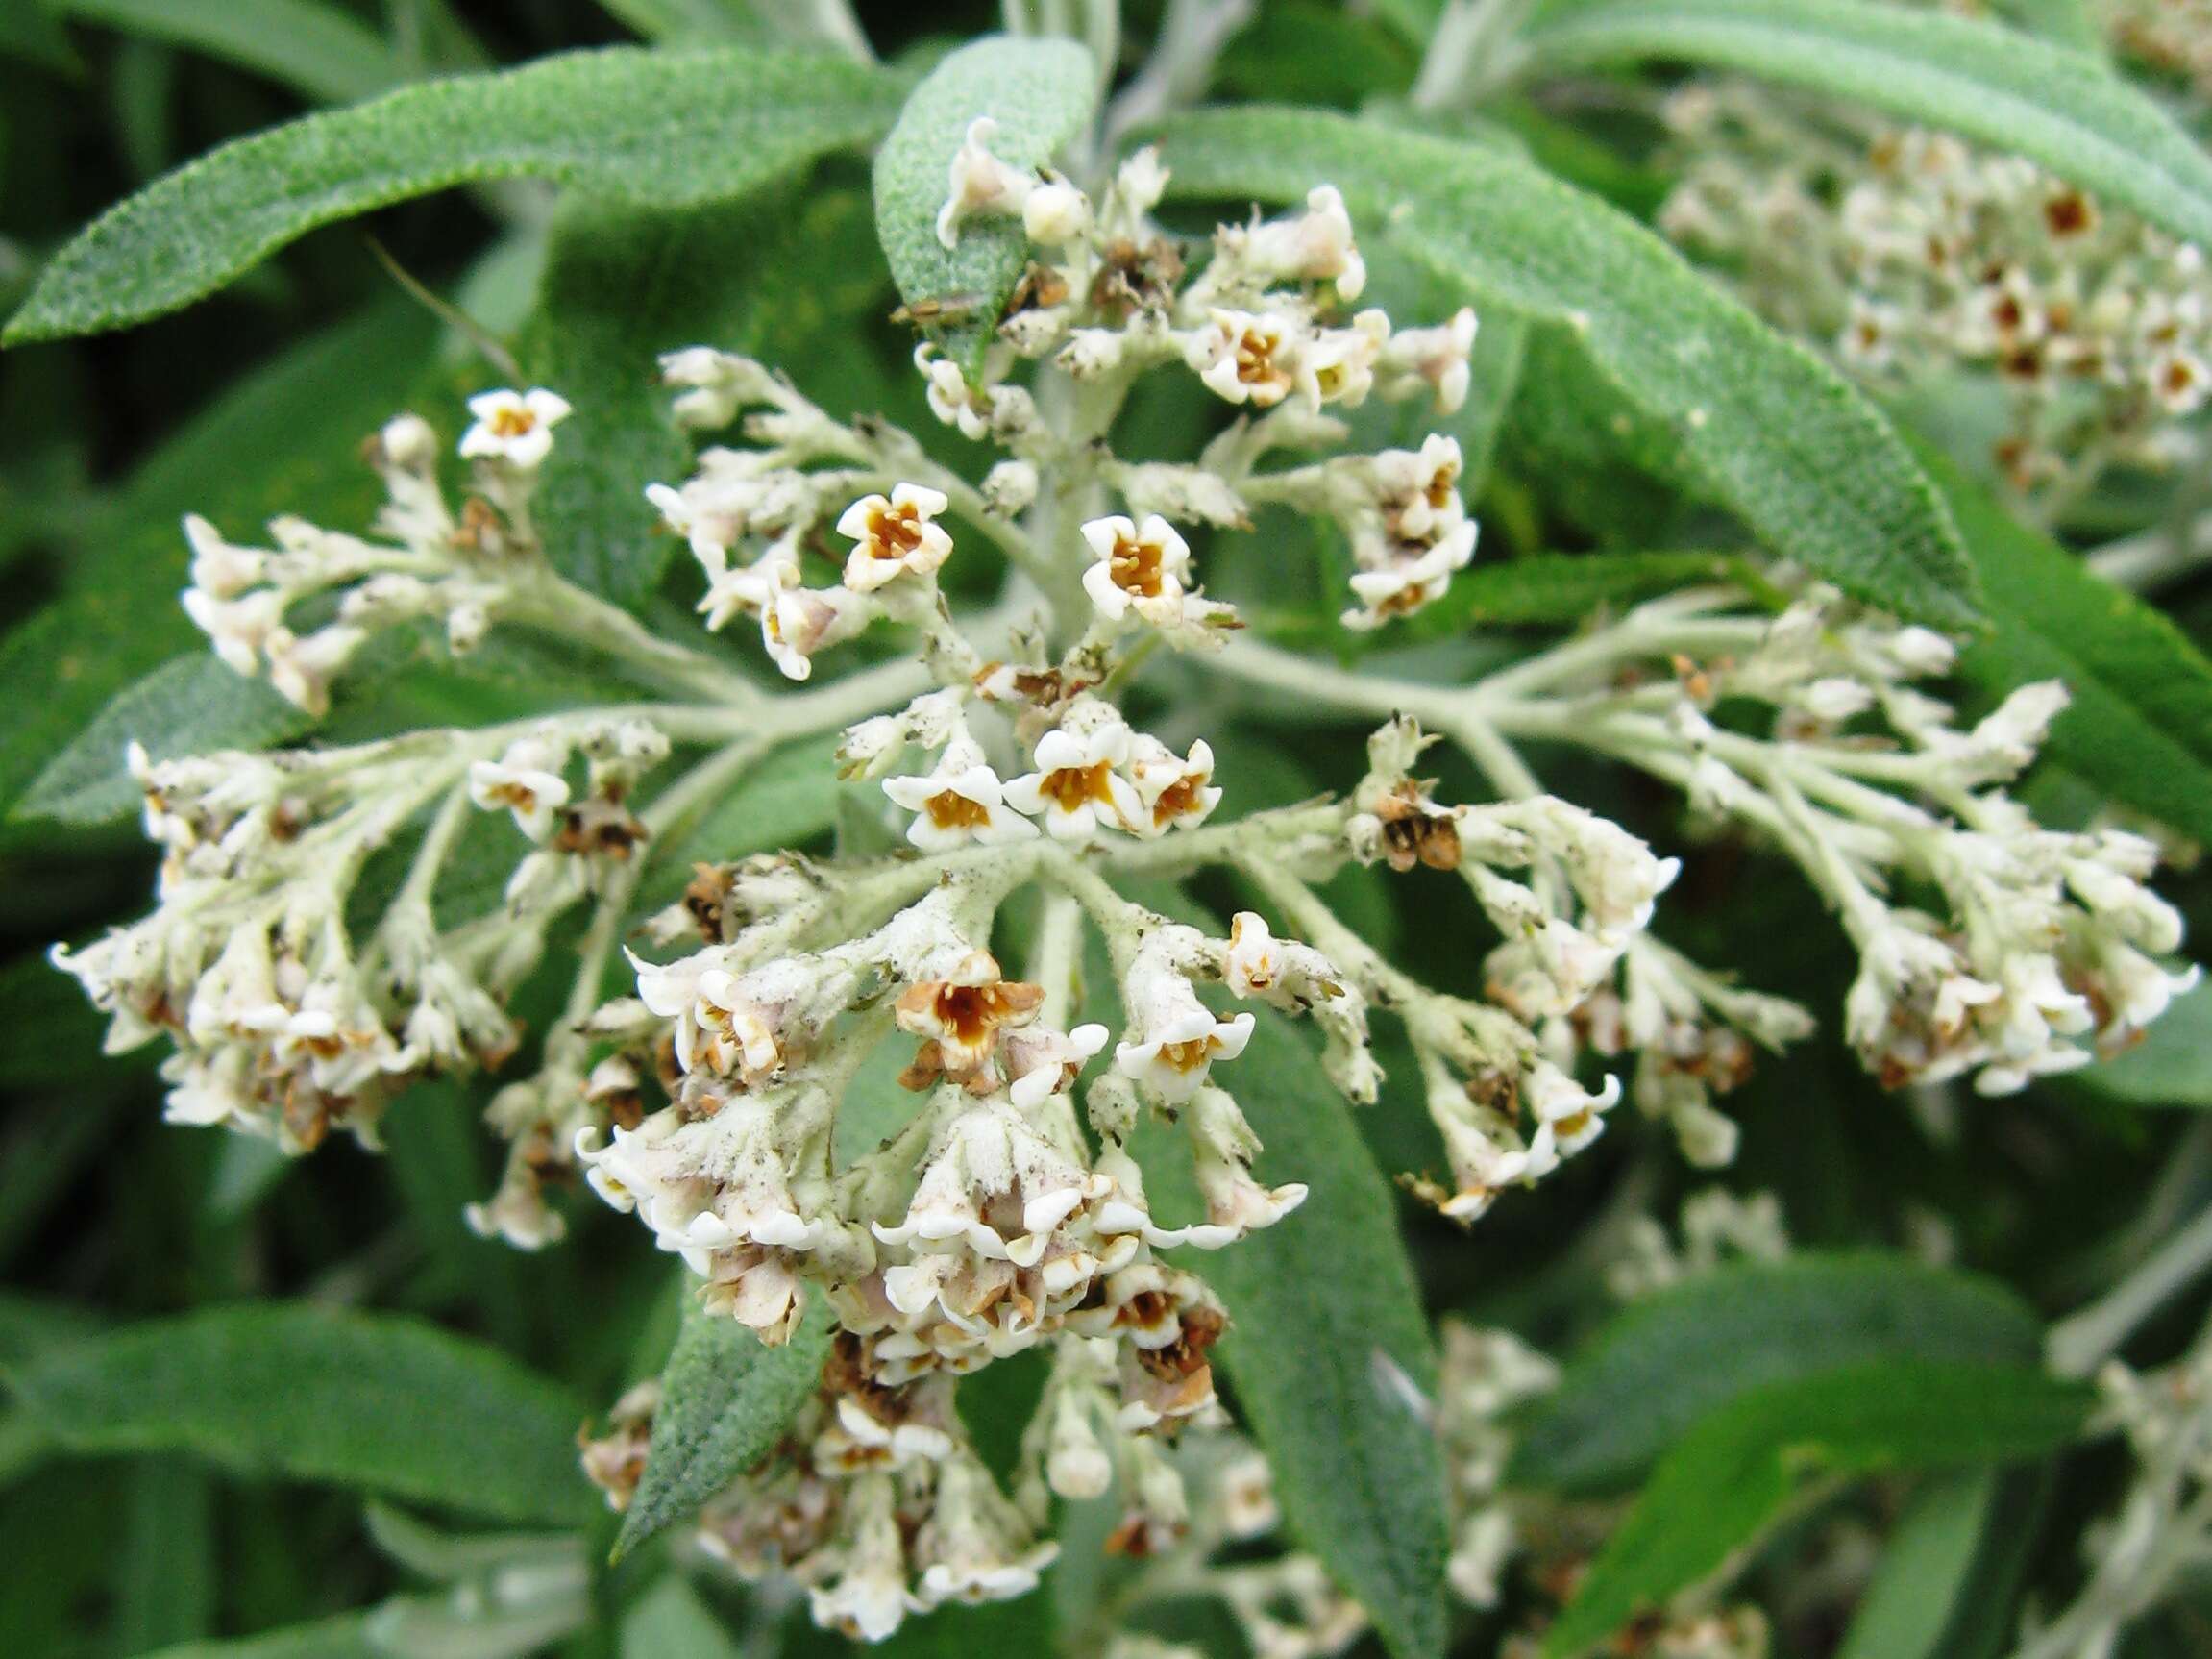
(1908, 255)
(919, 1089)
(1108, 296)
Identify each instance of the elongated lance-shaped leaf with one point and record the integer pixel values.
(2139, 725)
(373, 1401)
(1805, 459)
(1669, 1359)
(655, 129)
(725, 1400)
(1983, 80)
(317, 48)
(1041, 93)
(1327, 1350)
(1737, 1470)
(192, 705)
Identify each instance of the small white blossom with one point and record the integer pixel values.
(1076, 790)
(514, 426)
(896, 535)
(981, 186)
(958, 801)
(527, 780)
(1432, 360)
(1140, 567)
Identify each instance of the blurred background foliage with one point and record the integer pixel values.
(256, 400)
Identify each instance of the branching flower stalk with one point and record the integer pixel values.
(1007, 1210)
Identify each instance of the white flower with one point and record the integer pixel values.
(867, 1600)
(1180, 1038)
(1432, 359)
(744, 589)
(1337, 365)
(1040, 1062)
(301, 667)
(981, 186)
(1055, 213)
(527, 780)
(896, 535)
(1136, 566)
(950, 397)
(1255, 961)
(239, 628)
(975, 1543)
(1175, 791)
(1076, 788)
(1567, 1113)
(1247, 357)
(960, 801)
(800, 621)
(995, 1182)
(219, 570)
(1315, 246)
(514, 426)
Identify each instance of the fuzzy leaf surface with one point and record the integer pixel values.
(376, 1401)
(2140, 722)
(284, 438)
(318, 50)
(1983, 80)
(1674, 1356)
(1326, 1327)
(1041, 93)
(650, 128)
(1738, 1468)
(189, 705)
(725, 1400)
(1760, 424)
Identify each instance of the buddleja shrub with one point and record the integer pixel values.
(862, 859)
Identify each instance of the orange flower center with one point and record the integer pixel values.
(1135, 567)
(1071, 786)
(892, 532)
(512, 421)
(1256, 358)
(1188, 1056)
(949, 809)
(1178, 799)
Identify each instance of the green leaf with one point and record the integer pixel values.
(725, 1400)
(785, 274)
(346, 1636)
(283, 439)
(2140, 724)
(785, 801)
(654, 129)
(165, 1570)
(1740, 1466)
(2008, 89)
(1043, 93)
(1326, 1329)
(1809, 463)
(672, 1622)
(188, 706)
(1569, 587)
(376, 1401)
(314, 48)
(1671, 1358)
(1950, 1570)
(2172, 1066)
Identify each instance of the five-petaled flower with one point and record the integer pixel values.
(895, 534)
(514, 426)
